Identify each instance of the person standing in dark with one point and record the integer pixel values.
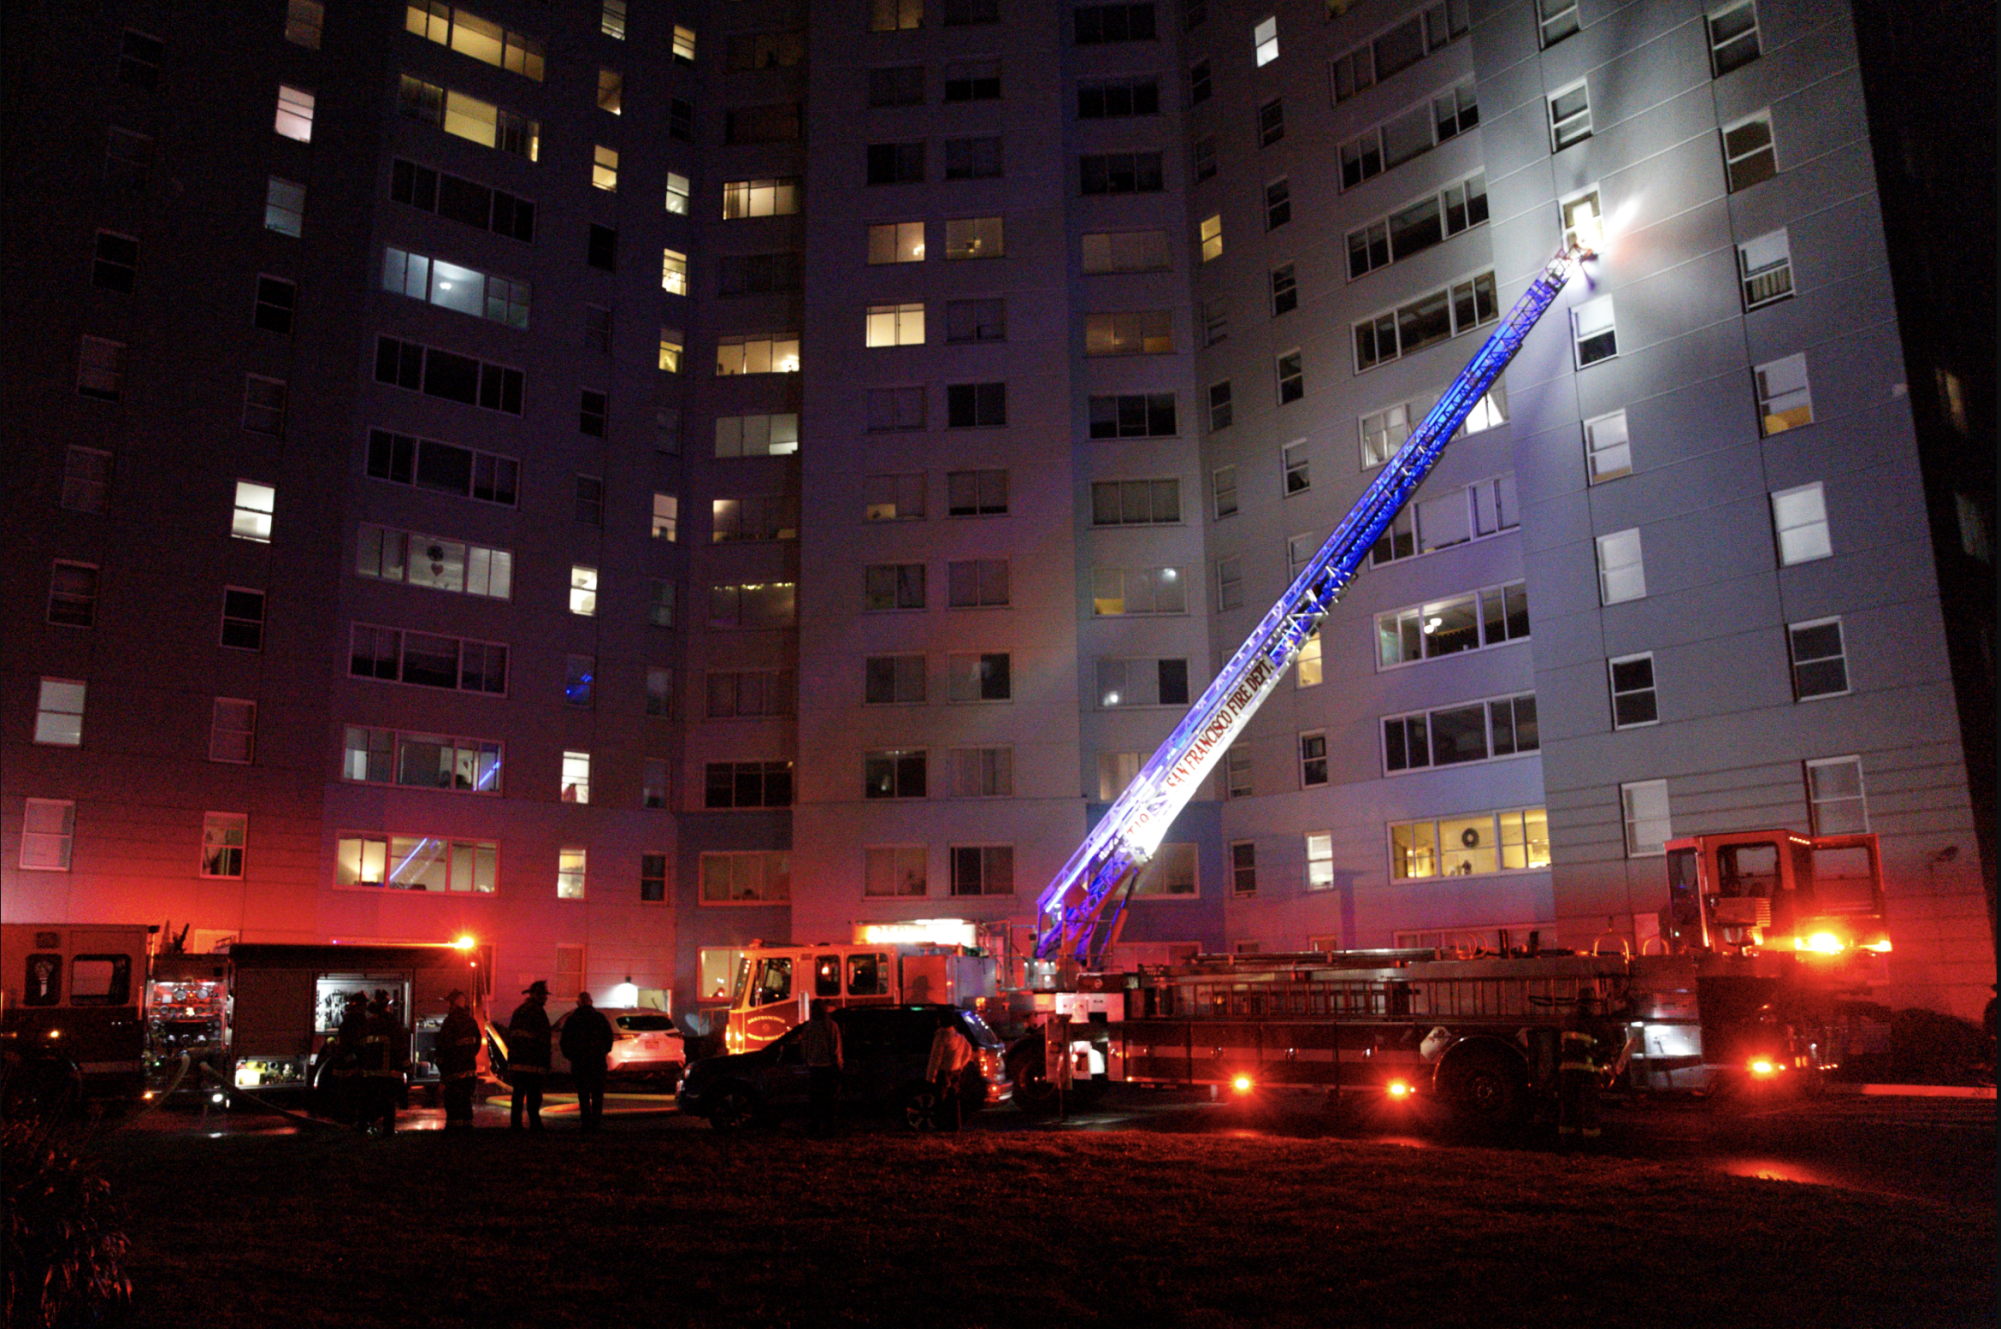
(344, 1072)
(383, 1058)
(821, 1045)
(587, 1040)
(951, 1053)
(458, 1061)
(528, 1050)
(1577, 1073)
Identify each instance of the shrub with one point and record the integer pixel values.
(64, 1242)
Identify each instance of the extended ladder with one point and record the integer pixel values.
(1079, 911)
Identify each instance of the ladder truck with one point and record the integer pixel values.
(1079, 913)
(1739, 994)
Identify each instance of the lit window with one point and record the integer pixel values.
(1608, 452)
(570, 873)
(611, 19)
(222, 837)
(896, 242)
(1319, 860)
(1834, 788)
(604, 170)
(1820, 659)
(255, 506)
(1799, 520)
(295, 113)
(678, 193)
(776, 196)
(1785, 397)
(1622, 573)
(670, 351)
(673, 272)
(1171, 873)
(684, 45)
(1308, 671)
(576, 785)
(1212, 237)
(1264, 41)
(895, 325)
(583, 590)
(666, 517)
(1645, 808)
(59, 713)
(611, 91)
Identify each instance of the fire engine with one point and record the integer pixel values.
(1764, 933)
(69, 1001)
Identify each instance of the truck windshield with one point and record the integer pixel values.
(1747, 870)
(774, 981)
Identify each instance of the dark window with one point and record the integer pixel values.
(895, 163)
(1199, 85)
(115, 266)
(681, 120)
(652, 882)
(275, 300)
(972, 80)
(972, 158)
(1097, 24)
(603, 248)
(1133, 415)
(969, 405)
(1121, 173)
(139, 59)
(592, 407)
(896, 85)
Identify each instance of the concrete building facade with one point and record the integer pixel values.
(621, 481)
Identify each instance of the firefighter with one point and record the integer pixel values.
(587, 1041)
(1580, 1065)
(458, 1060)
(821, 1044)
(950, 1055)
(344, 1059)
(382, 1061)
(528, 1048)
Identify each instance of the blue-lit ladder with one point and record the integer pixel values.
(1072, 915)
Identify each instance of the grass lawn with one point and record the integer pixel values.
(1118, 1228)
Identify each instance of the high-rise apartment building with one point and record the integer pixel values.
(625, 479)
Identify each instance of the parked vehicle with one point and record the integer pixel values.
(885, 1049)
(645, 1044)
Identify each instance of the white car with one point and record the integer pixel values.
(645, 1043)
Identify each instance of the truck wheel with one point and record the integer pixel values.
(920, 1108)
(1483, 1089)
(734, 1109)
(1033, 1093)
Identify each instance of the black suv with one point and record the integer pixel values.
(885, 1048)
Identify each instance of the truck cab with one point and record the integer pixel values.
(73, 994)
(1752, 892)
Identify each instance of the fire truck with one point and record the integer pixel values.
(775, 986)
(1764, 934)
(70, 1006)
(261, 1016)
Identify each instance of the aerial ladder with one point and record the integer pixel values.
(1079, 913)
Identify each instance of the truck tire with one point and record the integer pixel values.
(1483, 1088)
(920, 1108)
(1033, 1093)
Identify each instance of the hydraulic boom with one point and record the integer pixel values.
(1078, 913)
